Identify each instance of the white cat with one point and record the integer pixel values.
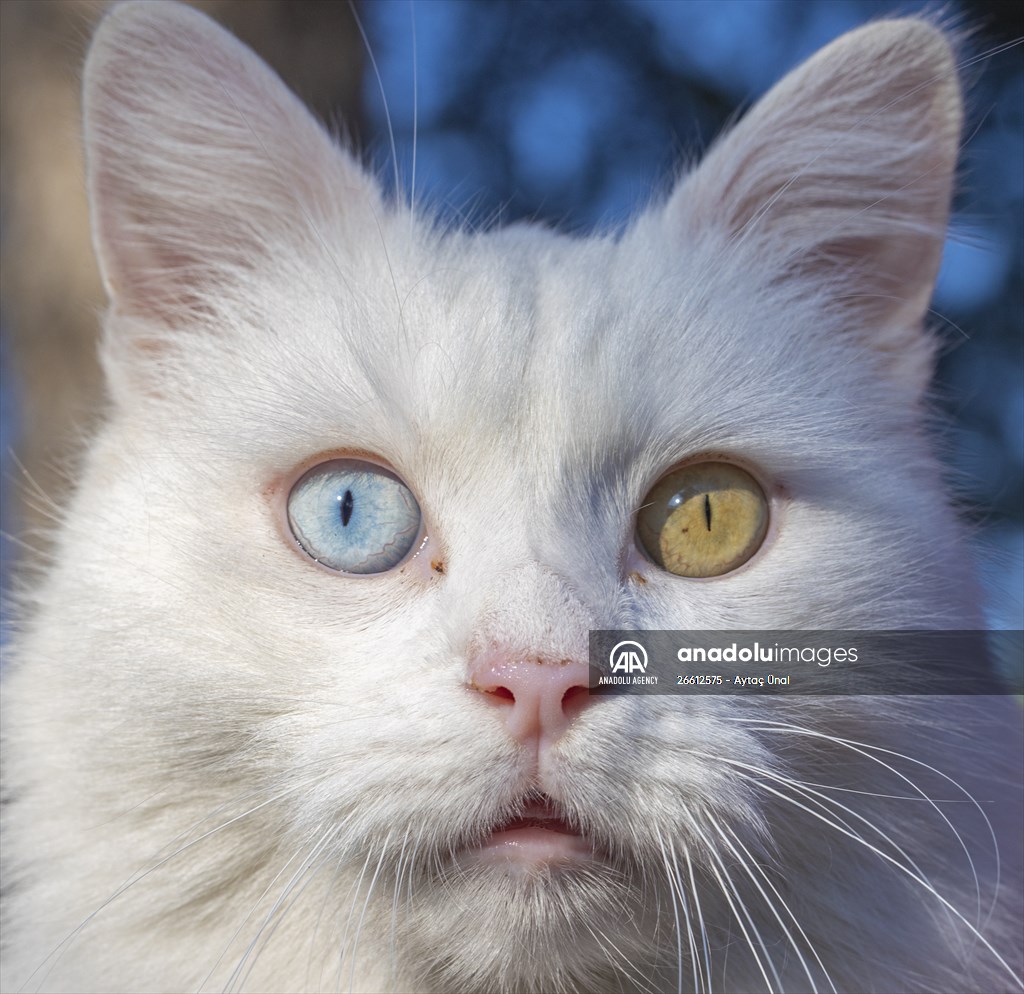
(301, 705)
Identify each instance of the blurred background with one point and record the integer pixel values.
(572, 113)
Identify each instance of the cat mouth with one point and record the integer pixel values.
(539, 834)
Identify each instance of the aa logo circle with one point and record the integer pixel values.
(628, 657)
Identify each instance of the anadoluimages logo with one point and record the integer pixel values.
(628, 657)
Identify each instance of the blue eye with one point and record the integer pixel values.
(353, 516)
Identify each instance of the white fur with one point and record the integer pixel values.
(228, 768)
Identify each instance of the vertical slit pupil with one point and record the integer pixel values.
(346, 507)
(707, 510)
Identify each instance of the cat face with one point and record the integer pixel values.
(367, 484)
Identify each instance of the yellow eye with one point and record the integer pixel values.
(703, 520)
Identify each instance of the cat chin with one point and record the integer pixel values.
(499, 924)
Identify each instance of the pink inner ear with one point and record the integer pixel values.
(200, 161)
(843, 173)
(146, 274)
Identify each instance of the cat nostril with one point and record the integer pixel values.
(574, 700)
(541, 697)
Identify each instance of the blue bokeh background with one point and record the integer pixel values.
(576, 113)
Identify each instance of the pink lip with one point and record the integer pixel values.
(539, 836)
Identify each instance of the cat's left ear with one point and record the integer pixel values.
(842, 176)
(203, 168)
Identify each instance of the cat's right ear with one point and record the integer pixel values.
(202, 166)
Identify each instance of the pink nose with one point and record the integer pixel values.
(540, 697)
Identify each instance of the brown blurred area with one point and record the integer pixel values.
(51, 298)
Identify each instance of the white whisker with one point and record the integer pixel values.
(747, 861)
(275, 915)
(392, 940)
(915, 876)
(382, 91)
(366, 904)
(675, 892)
(739, 911)
(867, 750)
(415, 106)
(700, 921)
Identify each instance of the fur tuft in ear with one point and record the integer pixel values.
(200, 162)
(843, 174)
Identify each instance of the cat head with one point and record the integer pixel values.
(511, 399)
